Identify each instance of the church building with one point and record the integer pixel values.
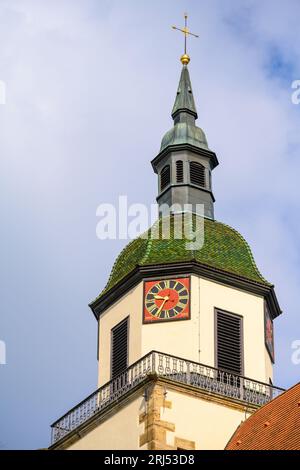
(185, 336)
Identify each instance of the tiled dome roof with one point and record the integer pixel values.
(223, 249)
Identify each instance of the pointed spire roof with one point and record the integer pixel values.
(184, 114)
(184, 101)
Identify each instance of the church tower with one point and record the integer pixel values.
(185, 345)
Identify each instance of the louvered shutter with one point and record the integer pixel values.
(119, 348)
(197, 174)
(179, 171)
(229, 342)
(165, 177)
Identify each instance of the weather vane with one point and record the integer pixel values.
(185, 58)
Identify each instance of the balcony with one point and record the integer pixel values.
(171, 368)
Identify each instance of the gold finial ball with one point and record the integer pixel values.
(185, 59)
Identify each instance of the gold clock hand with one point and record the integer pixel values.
(159, 297)
(161, 307)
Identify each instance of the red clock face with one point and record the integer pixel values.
(166, 300)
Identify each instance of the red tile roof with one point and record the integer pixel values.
(275, 426)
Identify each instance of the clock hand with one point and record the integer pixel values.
(159, 297)
(161, 307)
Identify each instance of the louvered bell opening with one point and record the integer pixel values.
(165, 177)
(197, 174)
(119, 347)
(229, 343)
(179, 171)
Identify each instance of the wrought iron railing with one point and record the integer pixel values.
(173, 368)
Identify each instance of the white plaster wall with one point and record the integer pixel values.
(120, 432)
(192, 339)
(130, 305)
(195, 339)
(210, 425)
(251, 308)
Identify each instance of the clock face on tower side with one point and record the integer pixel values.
(166, 300)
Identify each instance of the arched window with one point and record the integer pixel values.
(165, 177)
(197, 174)
(179, 171)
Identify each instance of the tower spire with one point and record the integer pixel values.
(184, 102)
(184, 164)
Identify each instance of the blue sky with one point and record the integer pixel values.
(90, 86)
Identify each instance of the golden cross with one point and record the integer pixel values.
(185, 58)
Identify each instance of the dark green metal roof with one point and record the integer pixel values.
(223, 249)
(184, 99)
(184, 114)
(184, 133)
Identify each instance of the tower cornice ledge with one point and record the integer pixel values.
(179, 147)
(189, 185)
(99, 305)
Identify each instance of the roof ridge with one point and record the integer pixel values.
(149, 242)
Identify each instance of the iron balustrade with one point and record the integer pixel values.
(169, 367)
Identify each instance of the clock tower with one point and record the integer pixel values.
(185, 336)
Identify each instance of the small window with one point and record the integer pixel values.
(229, 347)
(179, 171)
(165, 177)
(197, 174)
(119, 348)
